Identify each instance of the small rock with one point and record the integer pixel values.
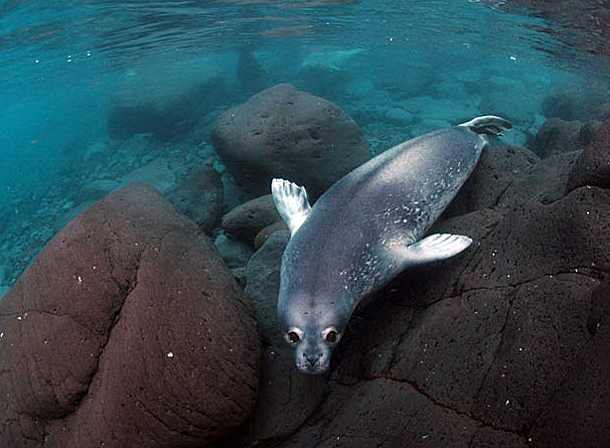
(264, 234)
(234, 253)
(398, 116)
(157, 173)
(245, 221)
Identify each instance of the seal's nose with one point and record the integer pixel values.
(312, 360)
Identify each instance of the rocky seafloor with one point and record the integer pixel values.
(130, 328)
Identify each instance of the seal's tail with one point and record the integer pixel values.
(488, 124)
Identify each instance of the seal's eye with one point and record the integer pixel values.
(292, 337)
(331, 336)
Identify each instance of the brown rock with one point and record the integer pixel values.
(127, 327)
(588, 131)
(542, 333)
(283, 132)
(390, 413)
(544, 182)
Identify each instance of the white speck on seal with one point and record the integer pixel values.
(170, 354)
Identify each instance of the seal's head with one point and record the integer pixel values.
(313, 328)
(313, 346)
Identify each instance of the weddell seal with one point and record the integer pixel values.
(367, 228)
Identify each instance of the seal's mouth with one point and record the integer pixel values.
(312, 370)
(314, 361)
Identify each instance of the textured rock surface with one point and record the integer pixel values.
(504, 345)
(283, 132)
(580, 101)
(126, 330)
(496, 171)
(265, 233)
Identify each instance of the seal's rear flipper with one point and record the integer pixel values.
(488, 124)
(434, 248)
(291, 203)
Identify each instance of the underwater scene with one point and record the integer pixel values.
(306, 223)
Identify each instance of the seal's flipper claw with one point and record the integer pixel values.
(435, 247)
(291, 203)
(488, 124)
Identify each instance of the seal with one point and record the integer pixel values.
(367, 228)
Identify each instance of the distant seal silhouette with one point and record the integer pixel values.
(367, 228)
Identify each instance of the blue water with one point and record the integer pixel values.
(63, 65)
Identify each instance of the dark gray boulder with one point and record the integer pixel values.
(284, 132)
(245, 221)
(557, 135)
(593, 165)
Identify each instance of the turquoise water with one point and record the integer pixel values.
(63, 66)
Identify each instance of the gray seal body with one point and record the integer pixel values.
(366, 229)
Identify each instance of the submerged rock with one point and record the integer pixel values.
(283, 132)
(200, 197)
(577, 101)
(556, 136)
(245, 221)
(169, 102)
(128, 326)
(233, 252)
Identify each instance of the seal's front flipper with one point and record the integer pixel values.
(434, 248)
(291, 203)
(488, 124)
